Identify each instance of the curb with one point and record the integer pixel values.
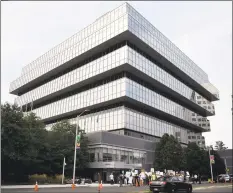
(56, 186)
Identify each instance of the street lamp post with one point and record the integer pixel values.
(225, 160)
(211, 167)
(75, 149)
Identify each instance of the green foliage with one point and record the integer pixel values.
(63, 136)
(219, 146)
(171, 156)
(168, 154)
(219, 166)
(28, 148)
(197, 160)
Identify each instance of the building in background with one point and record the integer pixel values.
(226, 155)
(196, 138)
(201, 121)
(136, 84)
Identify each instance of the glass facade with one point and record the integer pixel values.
(154, 38)
(123, 117)
(103, 29)
(113, 90)
(103, 64)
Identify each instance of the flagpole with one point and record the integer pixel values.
(63, 172)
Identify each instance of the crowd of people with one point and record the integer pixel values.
(144, 178)
(133, 179)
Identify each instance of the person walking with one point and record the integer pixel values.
(111, 178)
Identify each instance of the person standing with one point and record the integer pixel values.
(195, 178)
(199, 178)
(121, 178)
(124, 179)
(111, 178)
(149, 178)
(137, 182)
(130, 180)
(153, 177)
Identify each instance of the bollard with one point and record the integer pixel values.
(73, 186)
(101, 185)
(99, 188)
(36, 187)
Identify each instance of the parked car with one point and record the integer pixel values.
(87, 180)
(170, 184)
(79, 181)
(70, 181)
(231, 176)
(223, 178)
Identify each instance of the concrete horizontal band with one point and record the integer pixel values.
(127, 35)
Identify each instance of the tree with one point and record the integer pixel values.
(39, 145)
(158, 152)
(28, 148)
(219, 165)
(14, 144)
(193, 158)
(168, 154)
(197, 160)
(62, 137)
(20, 142)
(220, 146)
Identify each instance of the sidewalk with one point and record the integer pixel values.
(68, 185)
(56, 186)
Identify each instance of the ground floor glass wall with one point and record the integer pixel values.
(111, 153)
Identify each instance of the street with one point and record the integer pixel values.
(220, 188)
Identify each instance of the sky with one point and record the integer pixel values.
(202, 30)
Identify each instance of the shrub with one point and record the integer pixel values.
(57, 179)
(39, 178)
(44, 179)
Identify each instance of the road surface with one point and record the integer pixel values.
(202, 188)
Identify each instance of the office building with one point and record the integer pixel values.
(136, 84)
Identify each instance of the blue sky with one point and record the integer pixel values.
(202, 30)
